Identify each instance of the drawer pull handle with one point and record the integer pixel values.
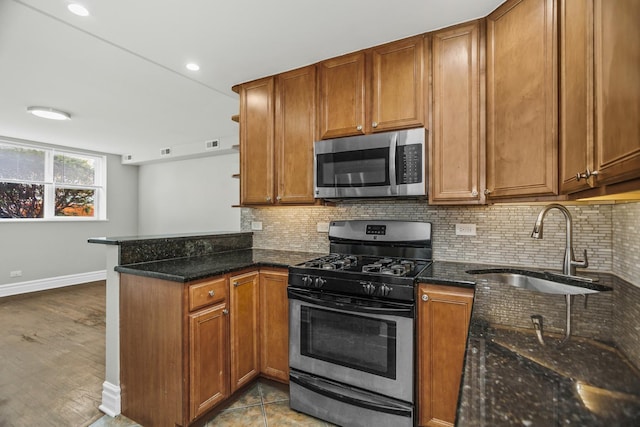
(211, 293)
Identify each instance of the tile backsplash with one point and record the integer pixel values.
(502, 231)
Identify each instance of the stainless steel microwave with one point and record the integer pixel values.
(389, 164)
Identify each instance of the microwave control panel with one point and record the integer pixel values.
(409, 164)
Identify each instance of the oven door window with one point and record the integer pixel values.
(363, 343)
(358, 168)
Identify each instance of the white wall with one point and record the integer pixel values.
(189, 196)
(44, 250)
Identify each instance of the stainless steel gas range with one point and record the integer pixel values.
(351, 319)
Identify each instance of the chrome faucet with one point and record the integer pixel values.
(570, 263)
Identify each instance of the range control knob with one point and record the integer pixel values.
(385, 290)
(368, 288)
(306, 281)
(319, 282)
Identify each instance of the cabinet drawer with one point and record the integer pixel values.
(207, 293)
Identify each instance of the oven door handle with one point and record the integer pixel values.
(315, 385)
(392, 309)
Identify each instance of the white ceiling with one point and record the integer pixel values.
(121, 71)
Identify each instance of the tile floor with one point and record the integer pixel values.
(265, 404)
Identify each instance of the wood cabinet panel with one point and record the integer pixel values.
(243, 310)
(576, 93)
(274, 325)
(443, 323)
(342, 89)
(295, 133)
(256, 141)
(522, 99)
(397, 82)
(457, 162)
(208, 359)
(617, 90)
(151, 350)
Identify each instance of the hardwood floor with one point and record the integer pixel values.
(52, 356)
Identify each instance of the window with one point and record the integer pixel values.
(45, 183)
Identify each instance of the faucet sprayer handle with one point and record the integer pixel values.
(581, 264)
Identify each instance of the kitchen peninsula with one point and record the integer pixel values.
(178, 259)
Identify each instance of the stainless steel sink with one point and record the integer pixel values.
(548, 283)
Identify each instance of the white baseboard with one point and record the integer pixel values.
(51, 283)
(110, 399)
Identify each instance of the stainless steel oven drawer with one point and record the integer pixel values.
(346, 406)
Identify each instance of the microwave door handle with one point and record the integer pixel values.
(393, 145)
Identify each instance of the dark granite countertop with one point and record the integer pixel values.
(145, 238)
(199, 267)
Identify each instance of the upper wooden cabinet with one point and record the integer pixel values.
(443, 322)
(457, 149)
(295, 130)
(277, 128)
(341, 109)
(600, 93)
(376, 90)
(257, 106)
(522, 103)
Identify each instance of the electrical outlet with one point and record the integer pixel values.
(322, 227)
(256, 225)
(465, 229)
(15, 273)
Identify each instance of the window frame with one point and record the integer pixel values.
(99, 186)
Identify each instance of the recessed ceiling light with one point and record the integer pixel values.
(192, 66)
(49, 113)
(78, 9)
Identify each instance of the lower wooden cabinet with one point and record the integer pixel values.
(208, 359)
(243, 302)
(274, 325)
(186, 347)
(443, 322)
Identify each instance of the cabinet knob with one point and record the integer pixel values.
(268, 198)
(374, 124)
(236, 284)
(586, 175)
(278, 198)
(474, 193)
(425, 297)
(211, 293)
(225, 311)
(359, 127)
(487, 192)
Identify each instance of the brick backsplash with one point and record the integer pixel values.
(503, 231)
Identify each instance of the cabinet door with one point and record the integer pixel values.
(576, 93)
(443, 322)
(243, 310)
(295, 130)
(617, 85)
(397, 94)
(342, 88)
(256, 142)
(208, 359)
(457, 148)
(522, 99)
(274, 325)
